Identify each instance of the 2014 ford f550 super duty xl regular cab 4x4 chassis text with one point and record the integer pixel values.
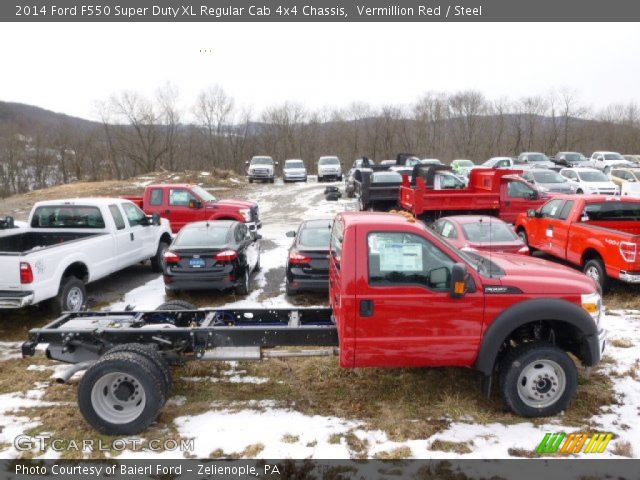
(400, 295)
(69, 243)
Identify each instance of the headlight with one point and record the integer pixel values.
(592, 303)
(246, 213)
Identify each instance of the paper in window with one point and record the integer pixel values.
(400, 257)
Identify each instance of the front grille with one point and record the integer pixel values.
(254, 214)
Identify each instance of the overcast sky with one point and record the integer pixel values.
(68, 67)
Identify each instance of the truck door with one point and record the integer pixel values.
(122, 239)
(560, 226)
(136, 219)
(546, 226)
(405, 315)
(183, 207)
(516, 197)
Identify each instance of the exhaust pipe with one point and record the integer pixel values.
(69, 372)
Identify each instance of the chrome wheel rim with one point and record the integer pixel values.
(541, 383)
(593, 273)
(118, 398)
(74, 299)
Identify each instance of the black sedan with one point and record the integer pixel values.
(217, 255)
(308, 263)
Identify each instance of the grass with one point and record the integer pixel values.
(447, 446)
(395, 454)
(623, 449)
(621, 343)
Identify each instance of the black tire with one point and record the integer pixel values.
(557, 377)
(290, 291)
(251, 180)
(362, 205)
(177, 305)
(595, 269)
(152, 355)
(157, 261)
(272, 180)
(245, 285)
(579, 191)
(140, 379)
(72, 296)
(257, 267)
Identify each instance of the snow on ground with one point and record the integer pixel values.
(10, 350)
(286, 433)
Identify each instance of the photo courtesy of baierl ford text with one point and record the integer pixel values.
(319, 240)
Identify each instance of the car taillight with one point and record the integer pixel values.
(298, 258)
(26, 274)
(226, 256)
(170, 257)
(524, 250)
(628, 251)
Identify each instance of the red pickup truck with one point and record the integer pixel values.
(400, 296)
(183, 203)
(500, 193)
(597, 233)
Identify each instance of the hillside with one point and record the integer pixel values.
(29, 118)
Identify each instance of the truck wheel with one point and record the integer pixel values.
(72, 296)
(257, 267)
(595, 269)
(579, 191)
(538, 379)
(151, 354)
(272, 180)
(157, 261)
(121, 394)
(245, 284)
(177, 305)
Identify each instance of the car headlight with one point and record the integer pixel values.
(246, 213)
(592, 303)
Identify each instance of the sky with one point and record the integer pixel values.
(69, 67)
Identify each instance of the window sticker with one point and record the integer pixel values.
(447, 229)
(400, 257)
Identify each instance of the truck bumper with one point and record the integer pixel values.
(630, 277)
(14, 300)
(176, 283)
(253, 226)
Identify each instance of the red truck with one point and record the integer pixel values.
(400, 296)
(184, 203)
(597, 233)
(501, 193)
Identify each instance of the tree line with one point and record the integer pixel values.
(138, 134)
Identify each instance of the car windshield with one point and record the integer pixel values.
(412, 161)
(329, 161)
(593, 177)
(613, 156)
(464, 163)
(202, 237)
(203, 194)
(573, 157)
(316, 237)
(386, 177)
(537, 157)
(488, 231)
(294, 164)
(262, 161)
(548, 177)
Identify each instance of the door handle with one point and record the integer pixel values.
(132, 236)
(366, 308)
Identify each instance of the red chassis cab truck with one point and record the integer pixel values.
(597, 233)
(400, 296)
(500, 193)
(183, 203)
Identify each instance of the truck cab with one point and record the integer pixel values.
(261, 167)
(184, 203)
(605, 161)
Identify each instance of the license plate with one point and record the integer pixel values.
(197, 262)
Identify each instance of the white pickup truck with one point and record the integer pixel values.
(69, 243)
(605, 161)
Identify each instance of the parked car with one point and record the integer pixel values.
(388, 162)
(476, 233)
(294, 171)
(308, 261)
(329, 168)
(627, 180)
(212, 256)
(535, 160)
(498, 162)
(462, 167)
(184, 203)
(589, 181)
(431, 161)
(604, 161)
(349, 182)
(632, 158)
(599, 234)
(549, 181)
(570, 159)
(261, 168)
(70, 243)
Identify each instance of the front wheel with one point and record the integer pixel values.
(157, 261)
(579, 191)
(595, 269)
(538, 379)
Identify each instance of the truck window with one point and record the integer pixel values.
(67, 216)
(117, 217)
(552, 209)
(448, 230)
(180, 197)
(156, 197)
(337, 234)
(566, 210)
(134, 214)
(397, 258)
(519, 190)
(614, 210)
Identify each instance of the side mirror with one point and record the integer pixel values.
(8, 222)
(458, 280)
(155, 219)
(532, 213)
(534, 195)
(291, 234)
